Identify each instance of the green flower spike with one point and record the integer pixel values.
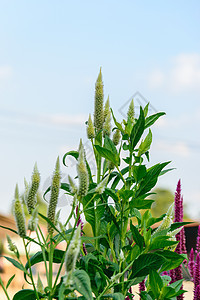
(90, 129)
(35, 182)
(19, 215)
(107, 125)
(98, 104)
(82, 173)
(131, 111)
(33, 222)
(12, 247)
(55, 187)
(106, 109)
(73, 251)
(102, 185)
(167, 221)
(116, 137)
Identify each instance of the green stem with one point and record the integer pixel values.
(31, 274)
(113, 282)
(4, 289)
(44, 255)
(51, 265)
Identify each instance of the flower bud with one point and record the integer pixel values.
(107, 125)
(106, 109)
(33, 222)
(131, 111)
(102, 185)
(73, 187)
(12, 247)
(121, 256)
(82, 174)
(55, 187)
(19, 215)
(73, 251)
(31, 198)
(90, 129)
(111, 165)
(167, 221)
(98, 103)
(116, 137)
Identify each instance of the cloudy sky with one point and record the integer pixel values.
(50, 55)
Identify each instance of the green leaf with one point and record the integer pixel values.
(4, 227)
(156, 283)
(139, 172)
(152, 119)
(144, 263)
(137, 237)
(178, 224)
(9, 281)
(172, 260)
(138, 129)
(146, 110)
(150, 179)
(119, 126)
(74, 154)
(145, 145)
(141, 203)
(125, 194)
(82, 284)
(38, 257)
(153, 220)
(160, 242)
(107, 154)
(145, 296)
(108, 144)
(115, 296)
(25, 295)
(16, 263)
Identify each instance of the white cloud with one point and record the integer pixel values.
(186, 71)
(183, 73)
(5, 72)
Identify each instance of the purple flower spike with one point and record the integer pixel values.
(178, 204)
(172, 275)
(197, 293)
(142, 286)
(191, 264)
(196, 274)
(198, 240)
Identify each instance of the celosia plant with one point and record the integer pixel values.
(124, 249)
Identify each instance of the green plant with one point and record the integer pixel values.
(124, 249)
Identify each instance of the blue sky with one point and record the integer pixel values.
(50, 56)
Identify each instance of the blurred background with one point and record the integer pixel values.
(50, 56)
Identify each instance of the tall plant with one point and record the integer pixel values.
(124, 249)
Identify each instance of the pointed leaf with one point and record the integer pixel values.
(82, 284)
(152, 119)
(25, 295)
(138, 129)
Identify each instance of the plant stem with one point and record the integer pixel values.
(51, 265)
(4, 289)
(44, 256)
(31, 274)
